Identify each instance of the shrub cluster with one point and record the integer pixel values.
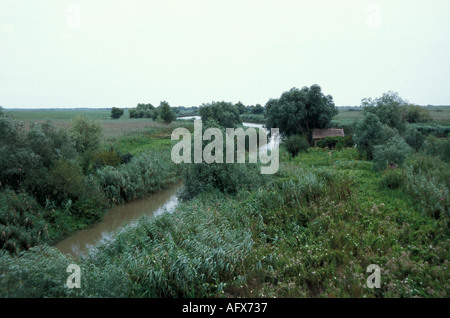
(295, 144)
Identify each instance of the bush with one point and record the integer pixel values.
(224, 177)
(438, 147)
(146, 173)
(371, 132)
(116, 113)
(416, 114)
(66, 181)
(166, 113)
(21, 222)
(85, 134)
(393, 154)
(431, 196)
(225, 114)
(414, 138)
(337, 142)
(435, 130)
(295, 144)
(392, 178)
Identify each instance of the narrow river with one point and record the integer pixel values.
(126, 214)
(117, 217)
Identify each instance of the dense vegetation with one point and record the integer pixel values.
(55, 181)
(311, 230)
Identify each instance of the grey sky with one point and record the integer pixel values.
(104, 53)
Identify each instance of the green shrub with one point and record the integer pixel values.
(295, 144)
(431, 196)
(431, 166)
(116, 113)
(392, 178)
(145, 173)
(106, 158)
(371, 132)
(435, 130)
(21, 222)
(224, 177)
(86, 134)
(393, 153)
(414, 138)
(438, 147)
(416, 114)
(337, 142)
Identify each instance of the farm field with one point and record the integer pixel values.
(439, 114)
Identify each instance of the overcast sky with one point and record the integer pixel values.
(104, 53)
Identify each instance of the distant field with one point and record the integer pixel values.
(113, 128)
(440, 114)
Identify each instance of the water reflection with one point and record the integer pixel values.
(117, 217)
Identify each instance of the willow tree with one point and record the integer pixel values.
(299, 111)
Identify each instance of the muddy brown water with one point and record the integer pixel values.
(118, 217)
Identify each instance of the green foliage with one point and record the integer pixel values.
(66, 180)
(145, 173)
(86, 134)
(416, 114)
(225, 177)
(21, 222)
(371, 132)
(300, 111)
(435, 130)
(108, 157)
(431, 196)
(241, 108)
(392, 178)
(143, 111)
(393, 153)
(414, 138)
(438, 147)
(388, 108)
(116, 113)
(225, 114)
(252, 118)
(42, 272)
(337, 142)
(166, 113)
(295, 144)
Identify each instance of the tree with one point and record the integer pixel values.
(241, 108)
(166, 113)
(258, 109)
(225, 114)
(142, 111)
(393, 152)
(116, 113)
(416, 114)
(299, 111)
(371, 132)
(388, 108)
(85, 134)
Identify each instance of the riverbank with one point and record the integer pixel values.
(310, 231)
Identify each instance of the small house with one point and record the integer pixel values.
(319, 134)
